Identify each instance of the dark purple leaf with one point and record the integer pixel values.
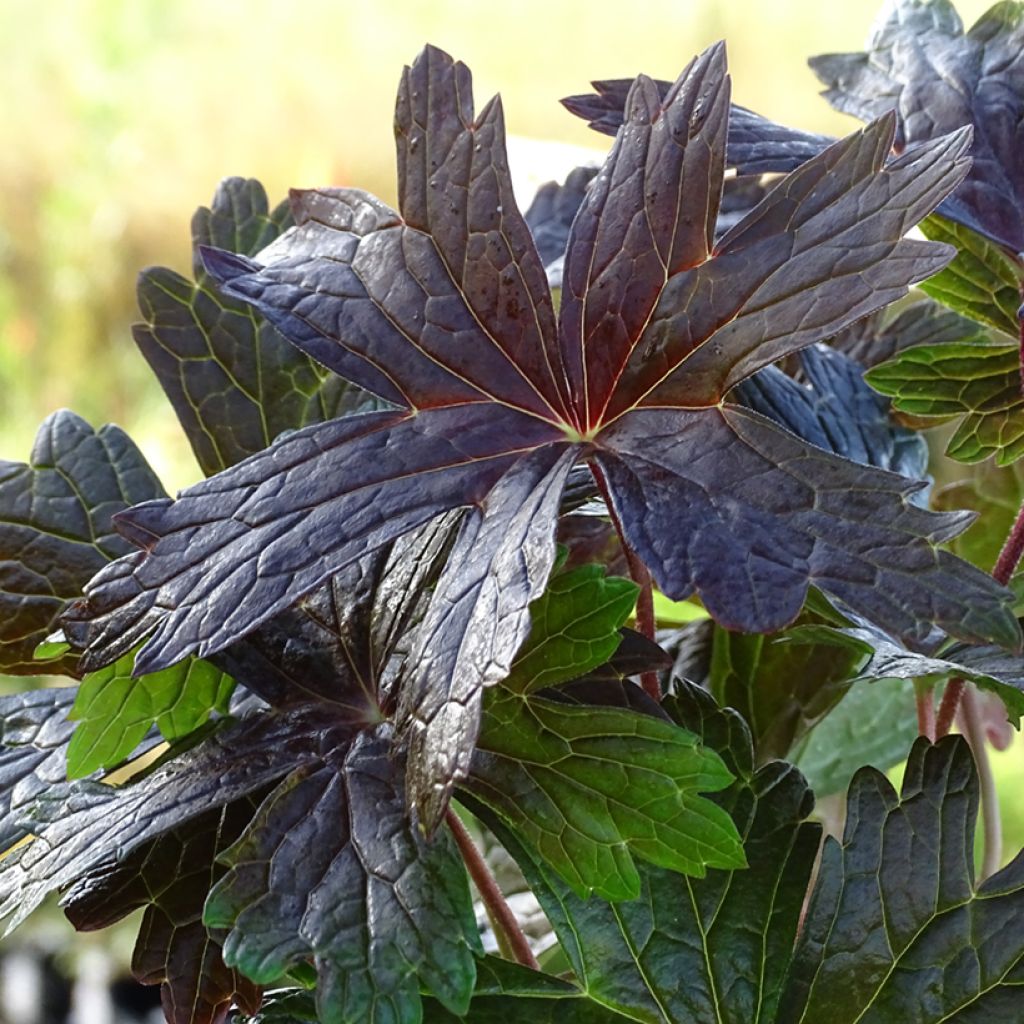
(234, 382)
(379, 909)
(836, 410)
(80, 826)
(920, 61)
(443, 310)
(171, 878)
(476, 622)
(552, 212)
(55, 529)
(756, 145)
(34, 736)
(726, 504)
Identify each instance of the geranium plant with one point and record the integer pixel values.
(454, 456)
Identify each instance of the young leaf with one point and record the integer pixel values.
(981, 281)
(919, 60)
(574, 628)
(234, 382)
(55, 529)
(704, 950)
(171, 878)
(443, 309)
(378, 909)
(896, 915)
(114, 711)
(980, 383)
(544, 768)
(874, 724)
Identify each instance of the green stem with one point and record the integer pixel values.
(974, 730)
(511, 940)
(645, 619)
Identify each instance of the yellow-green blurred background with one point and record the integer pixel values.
(118, 117)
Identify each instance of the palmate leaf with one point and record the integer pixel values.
(897, 928)
(443, 309)
(712, 949)
(55, 530)
(234, 382)
(980, 383)
(377, 908)
(114, 710)
(171, 878)
(543, 766)
(34, 735)
(981, 281)
(919, 60)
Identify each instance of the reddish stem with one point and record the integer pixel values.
(925, 710)
(645, 620)
(1009, 557)
(510, 936)
(948, 707)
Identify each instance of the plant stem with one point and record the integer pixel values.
(1006, 565)
(974, 730)
(511, 939)
(925, 709)
(645, 621)
(948, 707)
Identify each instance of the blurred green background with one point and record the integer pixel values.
(118, 118)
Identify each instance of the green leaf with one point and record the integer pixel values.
(332, 869)
(574, 628)
(711, 950)
(592, 788)
(981, 282)
(897, 929)
(980, 382)
(233, 380)
(115, 711)
(875, 724)
(996, 494)
(781, 689)
(50, 650)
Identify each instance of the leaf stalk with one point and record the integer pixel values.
(645, 620)
(511, 940)
(974, 730)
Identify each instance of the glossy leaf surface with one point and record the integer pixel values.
(233, 381)
(378, 909)
(897, 928)
(979, 383)
(543, 767)
(920, 61)
(55, 528)
(171, 879)
(756, 145)
(442, 308)
(701, 950)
